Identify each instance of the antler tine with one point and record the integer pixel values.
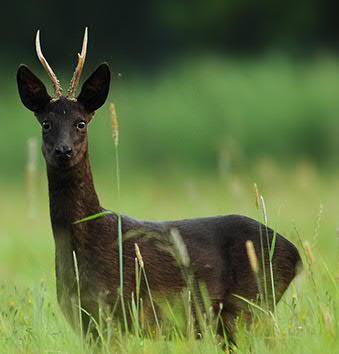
(43, 61)
(77, 73)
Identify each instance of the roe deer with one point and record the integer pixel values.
(216, 245)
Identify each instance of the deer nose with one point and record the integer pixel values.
(63, 151)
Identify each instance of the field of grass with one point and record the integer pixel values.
(301, 204)
(193, 143)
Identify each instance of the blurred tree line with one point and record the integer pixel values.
(227, 89)
(147, 32)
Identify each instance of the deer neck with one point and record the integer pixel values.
(72, 195)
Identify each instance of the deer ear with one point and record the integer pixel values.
(95, 89)
(32, 91)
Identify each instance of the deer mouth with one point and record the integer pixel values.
(64, 160)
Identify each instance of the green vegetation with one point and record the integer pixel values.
(205, 133)
(301, 204)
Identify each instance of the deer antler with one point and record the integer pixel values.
(43, 61)
(77, 73)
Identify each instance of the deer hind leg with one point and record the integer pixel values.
(227, 314)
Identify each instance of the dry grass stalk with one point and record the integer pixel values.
(142, 266)
(263, 207)
(328, 321)
(115, 125)
(180, 247)
(257, 196)
(260, 203)
(32, 155)
(139, 256)
(309, 253)
(252, 256)
(31, 175)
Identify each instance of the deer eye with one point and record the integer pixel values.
(81, 125)
(46, 126)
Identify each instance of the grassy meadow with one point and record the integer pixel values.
(193, 143)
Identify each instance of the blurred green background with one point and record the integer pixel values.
(197, 85)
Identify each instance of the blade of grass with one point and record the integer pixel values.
(115, 136)
(94, 216)
(78, 293)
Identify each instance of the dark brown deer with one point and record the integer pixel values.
(215, 245)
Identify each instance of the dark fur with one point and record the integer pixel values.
(216, 245)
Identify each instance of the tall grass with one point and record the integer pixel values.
(307, 317)
(115, 136)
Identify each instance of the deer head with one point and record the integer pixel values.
(64, 119)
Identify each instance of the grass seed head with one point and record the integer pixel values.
(115, 124)
(180, 248)
(139, 256)
(252, 256)
(309, 253)
(257, 196)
